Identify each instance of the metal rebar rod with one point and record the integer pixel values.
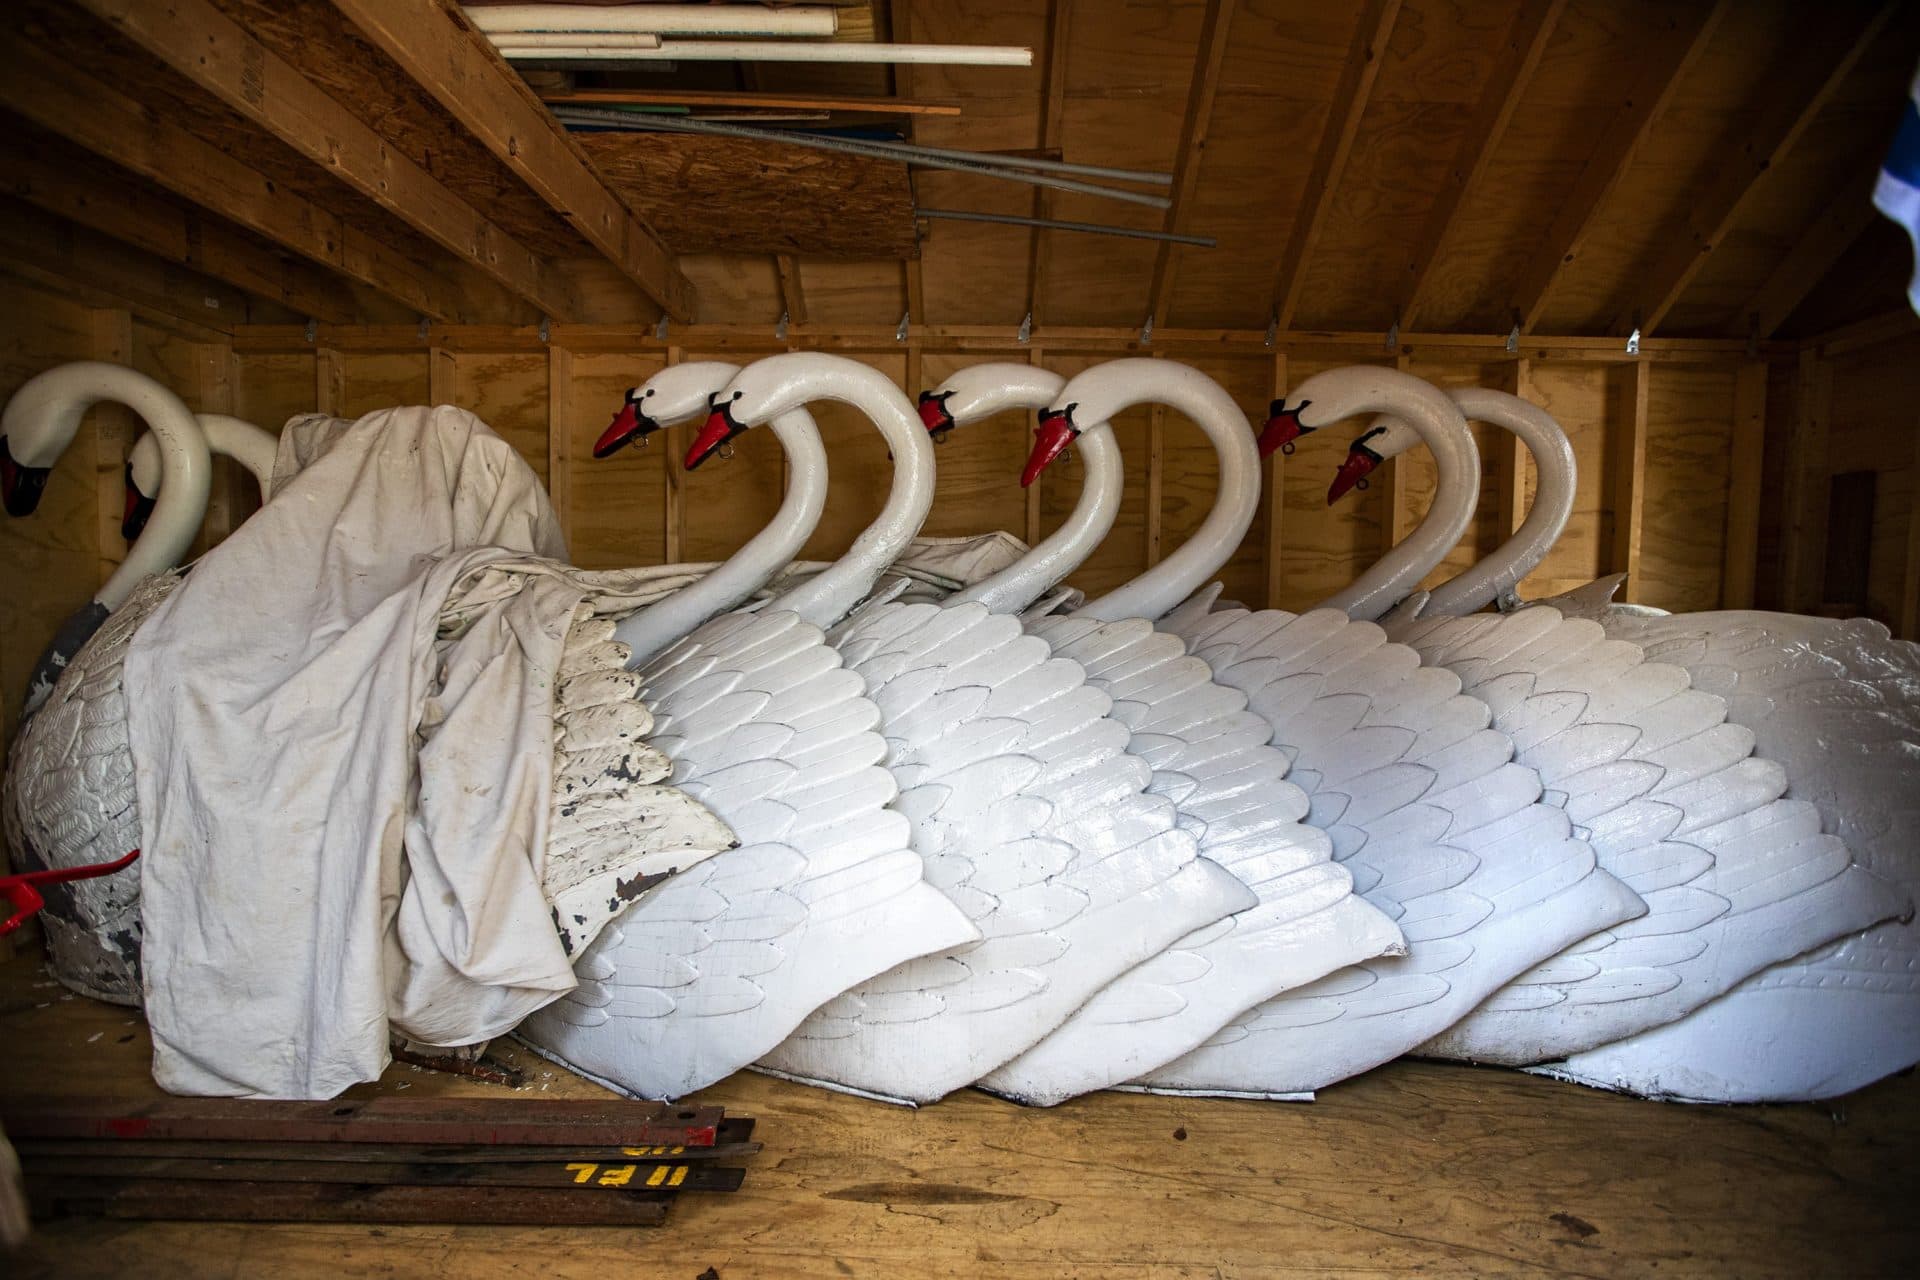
(1146, 176)
(876, 151)
(1052, 224)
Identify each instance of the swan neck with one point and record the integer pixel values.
(1066, 548)
(1156, 592)
(1498, 576)
(1395, 575)
(833, 593)
(43, 417)
(746, 570)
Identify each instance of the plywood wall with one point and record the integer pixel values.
(640, 508)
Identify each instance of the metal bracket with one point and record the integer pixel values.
(546, 329)
(906, 320)
(1146, 332)
(1393, 337)
(780, 330)
(313, 328)
(1273, 326)
(1513, 337)
(660, 330)
(425, 325)
(1633, 341)
(1026, 330)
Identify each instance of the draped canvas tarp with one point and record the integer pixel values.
(342, 729)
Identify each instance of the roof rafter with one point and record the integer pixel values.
(1788, 112)
(170, 231)
(1527, 39)
(1357, 78)
(433, 43)
(1841, 221)
(197, 41)
(66, 102)
(1209, 53)
(1676, 47)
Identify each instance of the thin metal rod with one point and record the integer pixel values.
(875, 151)
(953, 55)
(1053, 224)
(1044, 166)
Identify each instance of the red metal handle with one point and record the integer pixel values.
(23, 890)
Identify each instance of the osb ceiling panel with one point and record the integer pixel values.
(733, 195)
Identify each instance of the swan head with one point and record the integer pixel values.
(679, 393)
(718, 432)
(1050, 439)
(982, 390)
(1284, 427)
(137, 509)
(20, 485)
(1361, 459)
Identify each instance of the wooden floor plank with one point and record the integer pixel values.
(1443, 1169)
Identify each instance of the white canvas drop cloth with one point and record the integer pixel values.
(342, 731)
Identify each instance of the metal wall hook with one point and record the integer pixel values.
(906, 319)
(1146, 332)
(780, 330)
(546, 329)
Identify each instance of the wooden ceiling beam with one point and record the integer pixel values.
(1676, 45)
(198, 42)
(100, 271)
(1209, 53)
(1053, 101)
(1783, 118)
(90, 197)
(435, 44)
(65, 102)
(1842, 220)
(1357, 78)
(1527, 39)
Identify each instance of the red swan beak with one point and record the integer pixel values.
(933, 411)
(620, 432)
(1283, 427)
(1353, 472)
(719, 428)
(1050, 439)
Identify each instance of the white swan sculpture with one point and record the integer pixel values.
(768, 726)
(1833, 702)
(69, 793)
(226, 436)
(1734, 877)
(1022, 797)
(1210, 756)
(1424, 807)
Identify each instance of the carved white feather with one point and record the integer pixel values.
(1034, 819)
(1211, 757)
(770, 730)
(1838, 705)
(1734, 877)
(1437, 826)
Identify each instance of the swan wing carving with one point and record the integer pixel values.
(1211, 757)
(610, 795)
(1835, 703)
(1675, 805)
(768, 728)
(1034, 819)
(69, 801)
(1437, 826)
